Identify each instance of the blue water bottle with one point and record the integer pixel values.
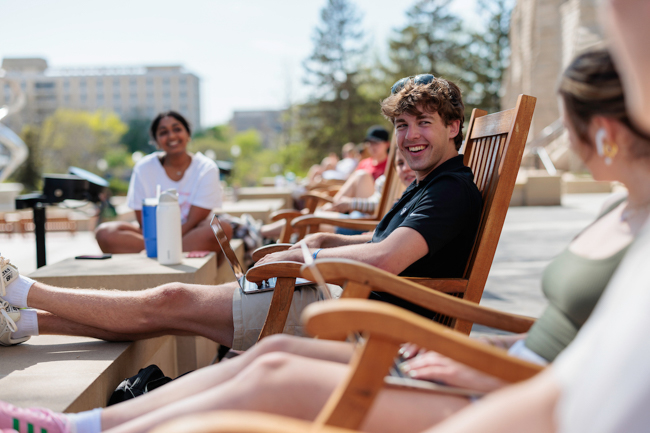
(149, 206)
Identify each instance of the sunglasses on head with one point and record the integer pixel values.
(417, 80)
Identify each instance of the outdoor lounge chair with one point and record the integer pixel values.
(384, 328)
(493, 149)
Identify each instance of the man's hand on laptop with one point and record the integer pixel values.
(312, 241)
(290, 255)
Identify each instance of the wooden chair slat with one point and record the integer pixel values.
(498, 123)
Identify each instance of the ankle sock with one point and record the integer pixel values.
(89, 421)
(27, 325)
(17, 291)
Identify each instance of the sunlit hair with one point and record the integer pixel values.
(171, 113)
(441, 96)
(590, 86)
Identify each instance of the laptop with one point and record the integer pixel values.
(238, 270)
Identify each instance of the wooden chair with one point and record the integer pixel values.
(306, 222)
(384, 328)
(493, 149)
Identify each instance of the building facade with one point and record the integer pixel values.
(270, 124)
(130, 92)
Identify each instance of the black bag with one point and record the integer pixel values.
(147, 379)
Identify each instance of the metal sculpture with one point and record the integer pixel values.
(13, 150)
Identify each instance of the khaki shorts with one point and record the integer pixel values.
(249, 312)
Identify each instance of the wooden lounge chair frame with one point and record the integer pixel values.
(493, 149)
(384, 328)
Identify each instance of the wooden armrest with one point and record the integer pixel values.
(275, 269)
(274, 248)
(241, 422)
(382, 281)
(285, 214)
(336, 320)
(356, 224)
(322, 196)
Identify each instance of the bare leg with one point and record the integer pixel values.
(299, 387)
(210, 377)
(119, 237)
(174, 308)
(272, 230)
(360, 184)
(201, 237)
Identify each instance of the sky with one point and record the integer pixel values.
(248, 54)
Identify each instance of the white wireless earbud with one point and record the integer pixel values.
(600, 141)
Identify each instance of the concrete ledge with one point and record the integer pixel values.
(71, 374)
(537, 188)
(258, 209)
(265, 193)
(572, 184)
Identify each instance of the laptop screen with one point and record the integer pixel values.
(225, 247)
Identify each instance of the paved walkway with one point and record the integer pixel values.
(531, 237)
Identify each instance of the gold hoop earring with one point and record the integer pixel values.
(610, 149)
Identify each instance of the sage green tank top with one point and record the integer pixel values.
(573, 285)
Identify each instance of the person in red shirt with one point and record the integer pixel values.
(377, 143)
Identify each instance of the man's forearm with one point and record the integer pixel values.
(331, 240)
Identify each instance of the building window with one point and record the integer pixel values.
(83, 97)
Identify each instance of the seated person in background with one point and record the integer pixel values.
(353, 195)
(194, 176)
(316, 171)
(346, 165)
(377, 144)
(364, 207)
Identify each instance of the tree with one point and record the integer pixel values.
(436, 41)
(338, 111)
(490, 52)
(79, 138)
(137, 138)
(433, 41)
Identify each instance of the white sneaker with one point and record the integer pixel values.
(8, 273)
(9, 315)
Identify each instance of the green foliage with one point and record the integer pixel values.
(432, 41)
(339, 110)
(118, 186)
(217, 139)
(489, 54)
(80, 139)
(137, 138)
(438, 42)
(30, 172)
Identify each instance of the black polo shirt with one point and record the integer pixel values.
(445, 208)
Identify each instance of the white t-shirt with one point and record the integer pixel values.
(199, 186)
(605, 373)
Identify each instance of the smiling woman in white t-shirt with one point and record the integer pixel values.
(194, 176)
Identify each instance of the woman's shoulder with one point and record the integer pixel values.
(203, 163)
(148, 161)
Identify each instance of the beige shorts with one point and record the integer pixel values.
(249, 313)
